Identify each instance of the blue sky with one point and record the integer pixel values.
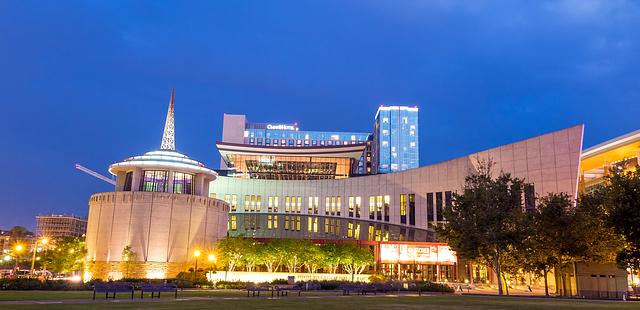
(89, 81)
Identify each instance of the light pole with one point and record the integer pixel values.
(196, 254)
(43, 241)
(18, 248)
(212, 261)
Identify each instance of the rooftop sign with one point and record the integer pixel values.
(281, 127)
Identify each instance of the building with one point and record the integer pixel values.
(159, 213)
(395, 137)
(620, 153)
(60, 225)
(238, 131)
(396, 209)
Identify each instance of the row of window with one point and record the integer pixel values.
(157, 181)
(299, 142)
(376, 232)
(378, 205)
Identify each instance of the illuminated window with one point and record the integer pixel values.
(412, 209)
(338, 205)
(287, 204)
(356, 231)
(327, 205)
(352, 203)
(313, 205)
(286, 222)
(379, 208)
(269, 222)
(403, 209)
(154, 181)
(372, 207)
(350, 229)
(247, 201)
(387, 201)
(233, 223)
(371, 232)
(299, 204)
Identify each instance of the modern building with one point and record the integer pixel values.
(159, 212)
(376, 209)
(395, 137)
(236, 130)
(60, 225)
(620, 153)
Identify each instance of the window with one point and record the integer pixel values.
(258, 207)
(182, 183)
(429, 208)
(332, 205)
(529, 197)
(356, 231)
(313, 224)
(232, 223)
(371, 232)
(372, 207)
(247, 201)
(313, 205)
(350, 229)
(128, 179)
(387, 201)
(379, 205)
(412, 209)
(297, 227)
(358, 203)
(298, 205)
(286, 222)
(439, 206)
(403, 209)
(269, 221)
(154, 181)
(287, 204)
(327, 205)
(351, 205)
(338, 205)
(232, 200)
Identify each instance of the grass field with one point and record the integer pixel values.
(319, 301)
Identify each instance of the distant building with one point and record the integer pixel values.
(395, 137)
(60, 225)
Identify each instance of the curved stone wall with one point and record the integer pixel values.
(163, 229)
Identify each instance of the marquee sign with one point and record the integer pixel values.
(417, 253)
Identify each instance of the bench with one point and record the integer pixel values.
(256, 289)
(158, 288)
(284, 289)
(348, 288)
(112, 287)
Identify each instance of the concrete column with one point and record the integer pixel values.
(170, 182)
(137, 180)
(120, 178)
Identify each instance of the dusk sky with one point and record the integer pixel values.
(89, 82)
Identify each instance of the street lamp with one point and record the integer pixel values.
(18, 248)
(43, 241)
(196, 254)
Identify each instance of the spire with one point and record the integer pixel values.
(168, 137)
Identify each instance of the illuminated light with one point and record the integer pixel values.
(19, 248)
(44, 240)
(211, 257)
(87, 276)
(7, 258)
(72, 251)
(75, 279)
(155, 275)
(196, 253)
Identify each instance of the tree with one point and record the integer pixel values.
(313, 258)
(484, 222)
(128, 256)
(333, 256)
(272, 255)
(68, 255)
(621, 200)
(232, 251)
(294, 249)
(355, 259)
(253, 255)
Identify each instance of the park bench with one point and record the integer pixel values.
(284, 289)
(348, 288)
(158, 288)
(255, 290)
(112, 287)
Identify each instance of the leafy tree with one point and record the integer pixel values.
(128, 256)
(253, 256)
(355, 259)
(333, 256)
(232, 251)
(67, 256)
(485, 221)
(313, 258)
(294, 249)
(272, 255)
(621, 199)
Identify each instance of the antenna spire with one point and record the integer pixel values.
(168, 137)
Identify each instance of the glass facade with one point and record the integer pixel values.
(289, 135)
(396, 139)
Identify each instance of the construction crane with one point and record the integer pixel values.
(95, 174)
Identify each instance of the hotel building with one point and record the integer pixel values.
(60, 225)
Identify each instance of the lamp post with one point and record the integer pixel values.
(43, 241)
(212, 261)
(196, 254)
(18, 248)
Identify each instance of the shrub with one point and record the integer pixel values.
(35, 284)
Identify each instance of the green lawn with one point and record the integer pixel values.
(350, 302)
